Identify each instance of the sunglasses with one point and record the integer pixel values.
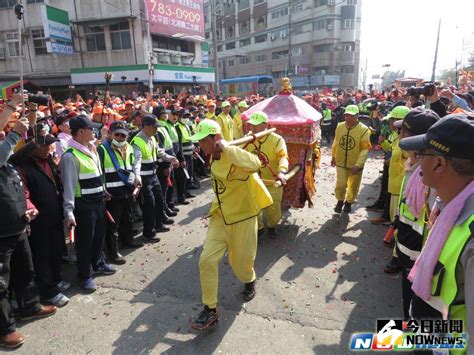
(120, 135)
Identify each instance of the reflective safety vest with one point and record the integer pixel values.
(185, 138)
(115, 186)
(168, 142)
(171, 131)
(148, 155)
(91, 185)
(327, 117)
(445, 286)
(411, 230)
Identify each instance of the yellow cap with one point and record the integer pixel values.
(258, 117)
(206, 128)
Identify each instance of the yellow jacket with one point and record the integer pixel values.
(239, 192)
(211, 116)
(225, 121)
(351, 146)
(273, 147)
(238, 126)
(396, 169)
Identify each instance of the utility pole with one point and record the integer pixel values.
(365, 74)
(289, 36)
(151, 64)
(433, 74)
(214, 46)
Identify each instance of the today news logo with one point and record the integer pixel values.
(394, 334)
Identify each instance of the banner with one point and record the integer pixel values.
(177, 18)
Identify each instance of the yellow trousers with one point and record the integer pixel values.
(394, 199)
(346, 181)
(273, 212)
(240, 240)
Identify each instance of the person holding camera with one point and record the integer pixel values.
(16, 271)
(123, 182)
(84, 201)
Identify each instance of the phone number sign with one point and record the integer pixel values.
(177, 18)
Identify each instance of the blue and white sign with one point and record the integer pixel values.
(57, 30)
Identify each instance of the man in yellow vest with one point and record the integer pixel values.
(349, 152)
(272, 150)
(211, 110)
(225, 121)
(122, 177)
(240, 195)
(442, 274)
(84, 201)
(238, 127)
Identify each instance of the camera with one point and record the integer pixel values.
(426, 90)
(38, 99)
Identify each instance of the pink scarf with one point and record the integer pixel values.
(415, 192)
(89, 150)
(422, 272)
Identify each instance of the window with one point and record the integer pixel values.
(243, 4)
(245, 42)
(255, 2)
(260, 24)
(244, 28)
(172, 44)
(120, 36)
(95, 38)
(219, 48)
(280, 54)
(298, 29)
(35, 1)
(2, 52)
(347, 69)
(13, 44)
(322, 48)
(231, 63)
(319, 25)
(261, 39)
(280, 12)
(4, 4)
(244, 60)
(230, 45)
(347, 47)
(208, 34)
(219, 35)
(351, 2)
(261, 58)
(318, 3)
(281, 33)
(229, 33)
(296, 52)
(297, 8)
(39, 41)
(348, 24)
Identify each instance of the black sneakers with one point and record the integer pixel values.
(249, 291)
(347, 207)
(207, 318)
(378, 206)
(394, 266)
(338, 208)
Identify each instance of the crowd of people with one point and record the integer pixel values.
(96, 172)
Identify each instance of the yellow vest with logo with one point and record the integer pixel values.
(225, 121)
(273, 147)
(238, 127)
(239, 192)
(348, 143)
(396, 169)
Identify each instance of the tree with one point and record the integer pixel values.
(447, 76)
(390, 76)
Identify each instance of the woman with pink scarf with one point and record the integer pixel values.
(412, 209)
(443, 274)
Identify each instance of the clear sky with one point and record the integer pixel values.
(402, 33)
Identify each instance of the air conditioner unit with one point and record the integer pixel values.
(283, 35)
(272, 37)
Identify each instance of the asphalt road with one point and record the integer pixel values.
(320, 281)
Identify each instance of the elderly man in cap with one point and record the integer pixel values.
(238, 126)
(349, 152)
(239, 197)
(442, 274)
(211, 110)
(272, 149)
(225, 122)
(43, 189)
(122, 177)
(84, 201)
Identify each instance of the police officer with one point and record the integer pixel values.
(84, 201)
(122, 177)
(326, 123)
(147, 153)
(442, 274)
(183, 175)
